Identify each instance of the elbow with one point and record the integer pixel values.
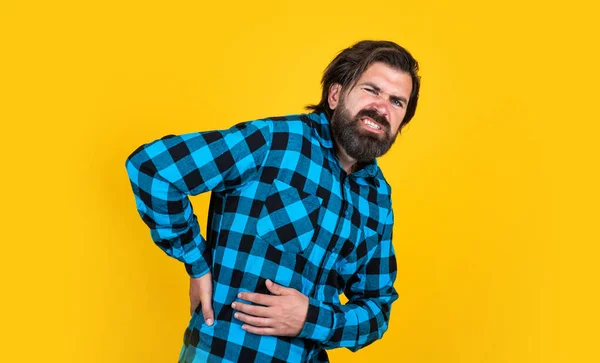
(138, 162)
(132, 170)
(131, 158)
(141, 159)
(377, 326)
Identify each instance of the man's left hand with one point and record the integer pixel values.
(281, 314)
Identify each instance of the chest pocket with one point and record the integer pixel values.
(288, 218)
(353, 258)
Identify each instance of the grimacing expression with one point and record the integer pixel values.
(360, 144)
(366, 119)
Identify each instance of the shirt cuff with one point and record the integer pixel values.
(201, 266)
(319, 321)
(197, 269)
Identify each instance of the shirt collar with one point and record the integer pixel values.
(321, 129)
(322, 132)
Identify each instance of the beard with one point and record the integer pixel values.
(360, 144)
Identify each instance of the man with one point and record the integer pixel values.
(300, 213)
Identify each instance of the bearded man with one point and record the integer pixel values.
(300, 213)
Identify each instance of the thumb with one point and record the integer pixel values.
(275, 288)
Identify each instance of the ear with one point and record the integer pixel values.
(333, 98)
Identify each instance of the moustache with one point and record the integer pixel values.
(380, 119)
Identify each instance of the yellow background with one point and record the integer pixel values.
(495, 180)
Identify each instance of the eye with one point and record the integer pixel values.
(397, 103)
(371, 91)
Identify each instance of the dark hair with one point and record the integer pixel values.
(349, 65)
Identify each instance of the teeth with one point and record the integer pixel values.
(371, 124)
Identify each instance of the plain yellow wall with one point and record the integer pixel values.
(495, 180)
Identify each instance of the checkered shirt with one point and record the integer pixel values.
(282, 208)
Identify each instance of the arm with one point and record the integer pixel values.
(165, 172)
(370, 294)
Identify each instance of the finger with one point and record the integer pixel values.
(262, 299)
(194, 305)
(253, 320)
(274, 288)
(194, 298)
(254, 310)
(206, 302)
(259, 330)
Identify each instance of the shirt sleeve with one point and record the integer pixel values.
(364, 318)
(165, 172)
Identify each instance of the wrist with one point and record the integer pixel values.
(319, 321)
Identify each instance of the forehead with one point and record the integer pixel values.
(390, 80)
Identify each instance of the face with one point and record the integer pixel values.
(366, 119)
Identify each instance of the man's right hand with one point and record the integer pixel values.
(201, 294)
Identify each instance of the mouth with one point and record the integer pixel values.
(371, 125)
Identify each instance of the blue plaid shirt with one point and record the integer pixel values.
(282, 208)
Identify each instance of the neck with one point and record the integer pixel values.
(348, 163)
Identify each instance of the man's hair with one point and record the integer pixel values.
(349, 65)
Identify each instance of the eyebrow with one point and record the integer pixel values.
(400, 98)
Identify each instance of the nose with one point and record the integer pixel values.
(380, 105)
